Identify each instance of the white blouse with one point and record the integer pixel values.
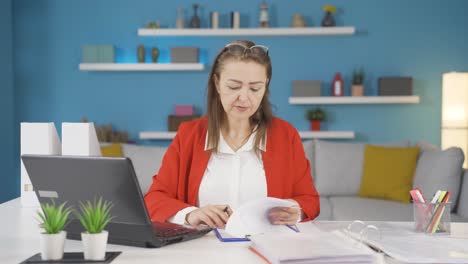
(231, 177)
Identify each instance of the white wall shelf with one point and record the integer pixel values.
(320, 31)
(414, 99)
(162, 135)
(141, 66)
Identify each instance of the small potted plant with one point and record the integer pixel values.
(315, 116)
(94, 217)
(53, 220)
(357, 88)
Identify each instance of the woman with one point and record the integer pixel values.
(237, 153)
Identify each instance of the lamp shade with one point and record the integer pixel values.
(455, 111)
(455, 100)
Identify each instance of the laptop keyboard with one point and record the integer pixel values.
(170, 229)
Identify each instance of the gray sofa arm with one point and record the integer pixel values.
(462, 208)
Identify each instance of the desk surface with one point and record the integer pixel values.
(19, 239)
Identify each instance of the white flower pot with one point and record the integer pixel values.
(52, 245)
(94, 245)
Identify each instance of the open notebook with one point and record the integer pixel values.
(316, 247)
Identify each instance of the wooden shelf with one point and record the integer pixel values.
(414, 99)
(327, 134)
(141, 66)
(161, 135)
(321, 31)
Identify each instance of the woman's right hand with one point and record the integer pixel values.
(215, 216)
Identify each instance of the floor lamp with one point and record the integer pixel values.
(455, 111)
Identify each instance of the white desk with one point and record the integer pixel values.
(19, 239)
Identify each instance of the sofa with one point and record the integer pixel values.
(337, 169)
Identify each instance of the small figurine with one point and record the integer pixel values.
(154, 54)
(195, 20)
(180, 23)
(298, 21)
(141, 53)
(264, 16)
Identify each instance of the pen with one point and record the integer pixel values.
(293, 228)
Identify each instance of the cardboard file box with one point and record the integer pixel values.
(184, 54)
(391, 86)
(306, 88)
(173, 122)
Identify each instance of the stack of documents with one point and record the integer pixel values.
(301, 248)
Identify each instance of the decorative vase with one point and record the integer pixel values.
(154, 54)
(195, 20)
(357, 90)
(180, 23)
(141, 53)
(328, 20)
(94, 245)
(52, 245)
(298, 21)
(315, 125)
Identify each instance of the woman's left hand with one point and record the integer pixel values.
(284, 215)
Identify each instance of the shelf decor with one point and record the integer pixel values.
(315, 116)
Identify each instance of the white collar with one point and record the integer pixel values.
(223, 146)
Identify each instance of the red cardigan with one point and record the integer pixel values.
(287, 170)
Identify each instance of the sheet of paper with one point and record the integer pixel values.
(252, 218)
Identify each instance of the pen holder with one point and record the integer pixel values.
(432, 218)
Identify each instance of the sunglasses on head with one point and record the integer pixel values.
(239, 49)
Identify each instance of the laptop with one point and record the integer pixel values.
(74, 178)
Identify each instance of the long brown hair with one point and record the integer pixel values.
(215, 111)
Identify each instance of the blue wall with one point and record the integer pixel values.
(9, 181)
(418, 38)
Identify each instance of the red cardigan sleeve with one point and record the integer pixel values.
(161, 199)
(304, 191)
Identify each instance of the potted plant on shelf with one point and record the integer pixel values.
(53, 219)
(315, 116)
(94, 217)
(357, 88)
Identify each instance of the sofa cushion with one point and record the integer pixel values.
(388, 172)
(439, 170)
(146, 161)
(462, 208)
(325, 209)
(345, 208)
(337, 166)
(112, 150)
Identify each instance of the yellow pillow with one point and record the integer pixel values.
(388, 172)
(114, 150)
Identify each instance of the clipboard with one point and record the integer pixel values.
(225, 237)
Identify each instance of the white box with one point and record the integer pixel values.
(80, 139)
(36, 138)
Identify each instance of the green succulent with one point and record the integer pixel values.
(54, 217)
(95, 216)
(315, 114)
(358, 77)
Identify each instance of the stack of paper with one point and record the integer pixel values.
(302, 248)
